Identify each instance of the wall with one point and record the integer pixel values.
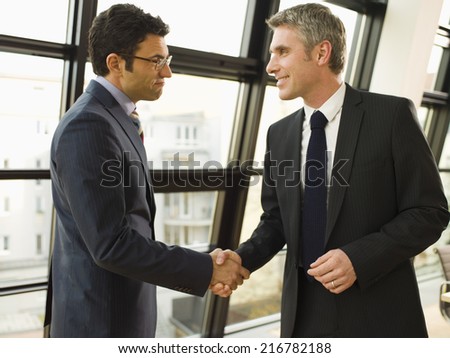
(405, 46)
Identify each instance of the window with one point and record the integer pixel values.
(4, 243)
(198, 28)
(444, 18)
(39, 205)
(260, 296)
(39, 246)
(5, 209)
(444, 162)
(28, 258)
(425, 114)
(186, 220)
(274, 109)
(209, 110)
(21, 315)
(434, 115)
(433, 67)
(20, 144)
(48, 26)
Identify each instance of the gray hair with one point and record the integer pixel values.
(315, 23)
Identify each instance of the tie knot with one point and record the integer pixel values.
(134, 115)
(318, 120)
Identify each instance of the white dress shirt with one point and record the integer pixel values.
(332, 109)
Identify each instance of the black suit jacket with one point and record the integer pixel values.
(106, 260)
(385, 205)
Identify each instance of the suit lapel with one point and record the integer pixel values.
(116, 111)
(292, 153)
(129, 129)
(349, 127)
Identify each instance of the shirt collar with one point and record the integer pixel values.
(331, 107)
(125, 102)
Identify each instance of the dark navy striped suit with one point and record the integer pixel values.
(106, 260)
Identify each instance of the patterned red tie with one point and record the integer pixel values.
(135, 117)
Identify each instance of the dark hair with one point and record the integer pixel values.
(315, 23)
(119, 30)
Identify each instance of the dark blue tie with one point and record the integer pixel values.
(314, 217)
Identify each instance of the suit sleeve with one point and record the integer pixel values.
(268, 237)
(100, 213)
(422, 209)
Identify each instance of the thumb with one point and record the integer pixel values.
(219, 256)
(233, 256)
(222, 256)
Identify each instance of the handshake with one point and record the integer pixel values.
(228, 272)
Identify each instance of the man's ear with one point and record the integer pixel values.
(113, 62)
(324, 52)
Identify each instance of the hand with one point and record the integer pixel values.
(228, 272)
(334, 271)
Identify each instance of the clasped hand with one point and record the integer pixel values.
(228, 272)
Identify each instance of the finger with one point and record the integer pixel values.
(216, 288)
(323, 265)
(337, 288)
(321, 270)
(225, 295)
(239, 280)
(340, 285)
(233, 256)
(322, 259)
(225, 291)
(245, 274)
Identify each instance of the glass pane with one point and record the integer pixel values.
(198, 24)
(185, 218)
(444, 19)
(32, 124)
(182, 219)
(44, 20)
(190, 125)
(25, 223)
(22, 316)
(444, 162)
(433, 68)
(427, 262)
(179, 314)
(273, 110)
(424, 115)
(259, 296)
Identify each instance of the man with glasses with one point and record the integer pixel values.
(106, 261)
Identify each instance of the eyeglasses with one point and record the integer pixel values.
(158, 61)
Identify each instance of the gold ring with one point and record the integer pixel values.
(332, 284)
